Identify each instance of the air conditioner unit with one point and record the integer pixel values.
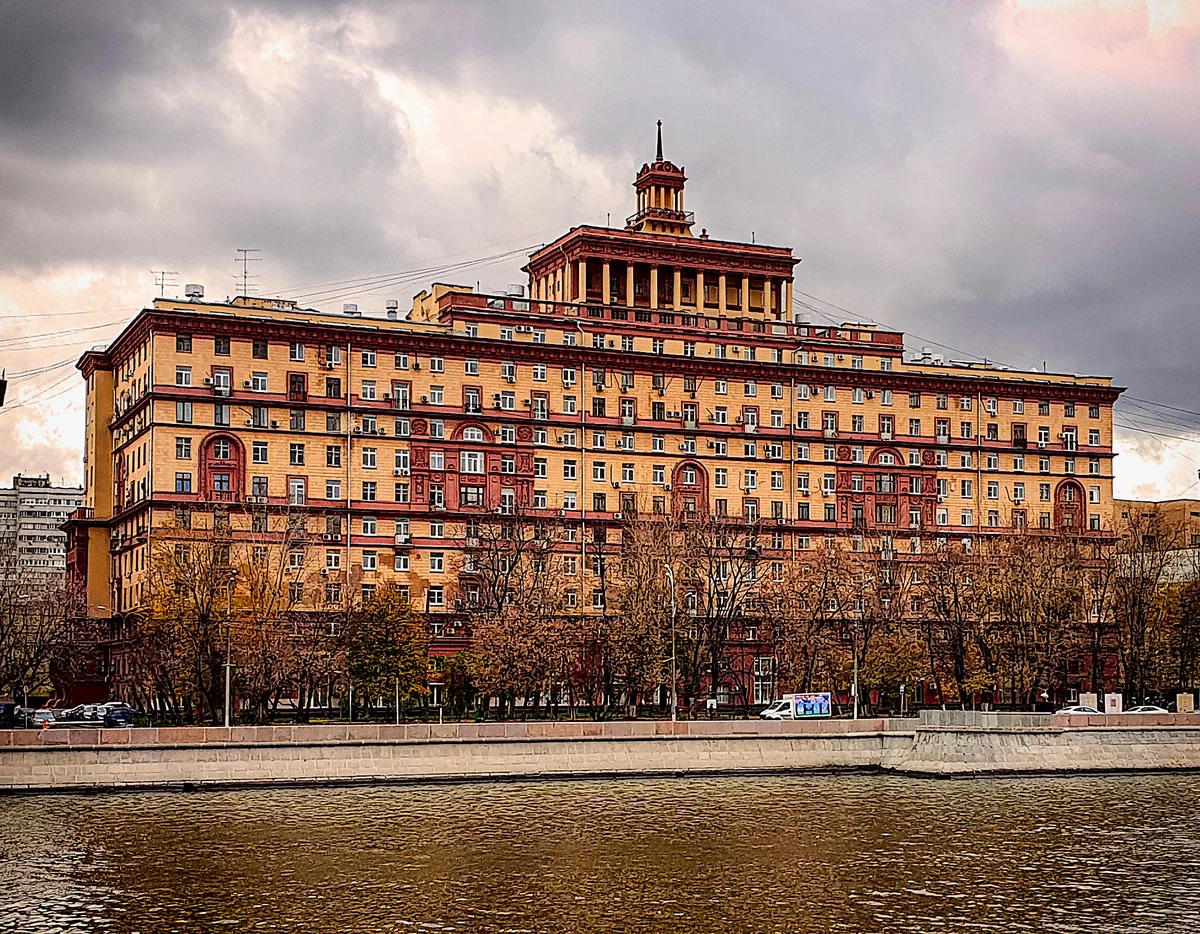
(710, 443)
(1042, 444)
(329, 537)
(510, 379)
(662, 392)
(330, 365)
(246, 384)
(400, 472)
(387, 397)
(381, 431)
(274, 424)
(403, 538)
(416, 365)
(667, 487)
(208, 381)
(870, 394)
(249, 422)
(358, 431)
(526, 402)
(616, 484)
(618, 516)
(324, 572)
(804, 493)
(683, 447)
(885, 435)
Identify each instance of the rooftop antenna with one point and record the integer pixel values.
(658, 156)
(245, 257)
(164, 278)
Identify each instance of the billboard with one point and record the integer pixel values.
(810, 705)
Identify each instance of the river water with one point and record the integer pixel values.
(792, 854)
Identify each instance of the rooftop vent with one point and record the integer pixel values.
(351, 309)
(393, 309)
(516, 290)
(193, 291)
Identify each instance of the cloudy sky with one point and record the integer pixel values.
(1017, 180)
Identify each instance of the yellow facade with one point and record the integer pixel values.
(647, 370)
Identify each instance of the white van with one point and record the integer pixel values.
(799, 707)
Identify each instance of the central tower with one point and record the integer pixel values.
(659, 187)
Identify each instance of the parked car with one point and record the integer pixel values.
(84, 713)
(1147, 708)
(1077, 708)
(32, 719)
(118, 715)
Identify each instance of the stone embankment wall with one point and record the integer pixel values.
(941, 743)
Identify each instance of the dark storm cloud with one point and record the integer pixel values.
(930, 175)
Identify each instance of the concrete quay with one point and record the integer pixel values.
(938, 744)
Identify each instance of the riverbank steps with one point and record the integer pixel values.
(937, 744)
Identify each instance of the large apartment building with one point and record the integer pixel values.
(32, 513)
(646, 369)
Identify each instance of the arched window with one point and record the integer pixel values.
(472, 434)
(887, 459)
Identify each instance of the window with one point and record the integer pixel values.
(570, 470)
(296, 491)
(183, 376)
(296, 454)
(437, 365)
(183, 448)
(368, 389)
(258, 349)
(369, 491)
(259, 487)
(369, 458)
(221, 413)
(258, 452)
(258, 382)
(183, 413)
(296, 352)
(183, 483)
(183, 343)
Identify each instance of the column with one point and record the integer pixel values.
(745, 294)
(700, 291)
(654, 286)
(676, 301)
(786, 299)
(583, 280)
(606, 282)
(768, 296)
(629, 283)
(721, 306)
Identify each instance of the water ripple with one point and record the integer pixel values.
(802, 855)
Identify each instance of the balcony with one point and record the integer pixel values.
(297, 395)
(663, 214)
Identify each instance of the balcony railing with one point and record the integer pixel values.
(665, 214)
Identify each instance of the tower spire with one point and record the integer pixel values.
(658, 156)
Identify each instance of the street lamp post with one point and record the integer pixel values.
(674, 611)
(229, 645)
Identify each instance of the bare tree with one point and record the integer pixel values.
(34, 630)
(511, 585)
(1146, 560)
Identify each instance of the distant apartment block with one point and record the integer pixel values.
(32, 512)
